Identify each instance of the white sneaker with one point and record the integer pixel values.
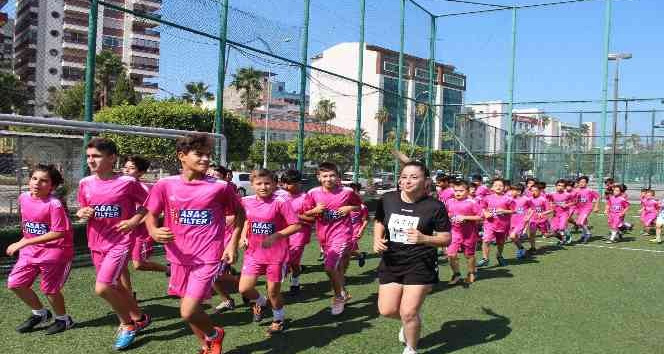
(338, 306)
(402, 336)
(408, 350)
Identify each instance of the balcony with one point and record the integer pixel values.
(137, 30)
(140, 48)
(77, 6)
(27, 7)
(74, 23)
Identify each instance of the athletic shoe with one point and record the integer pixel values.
(501, 261)
(347, 296)
(294, 290)
(520, 253)
(456, 278)
(483, 262)
(321, 257)
(560, 243)
(402, 336)
(654, 240)
(620, 236)
(59, 326)
(257, 311)
(408, 350)
(246, 301)
(568, 238)
(227, 305)
(214, 346)
(275, 328)
(338, 304)
(145, 321)
(34, 321)
(470, 278)
(362, 260)
(125, 336)
(609, 241)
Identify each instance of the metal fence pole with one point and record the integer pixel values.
(432, 97)
(508, 158)
(652, 148)
(399, 115)
(90, 78)
(219, 113)
(358, 118)
(605, 92)
(303, 86)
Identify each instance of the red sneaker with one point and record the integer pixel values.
(215, 346)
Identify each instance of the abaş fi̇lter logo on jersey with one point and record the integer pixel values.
(194, 217)
(107, 211)
(35, 228)
(262, 228)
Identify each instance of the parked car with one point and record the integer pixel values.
(347, 179)
(241, 180)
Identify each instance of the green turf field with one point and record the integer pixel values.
(583, 299)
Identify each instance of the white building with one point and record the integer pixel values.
(50, 45)
(381, 70)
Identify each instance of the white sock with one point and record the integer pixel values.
(279, 314)
(614, 235)
(261, 301)
(40, 313)
(295, 281)
(64, 317)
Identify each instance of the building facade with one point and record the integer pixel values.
(381, 70)
(6, 41)
(51, 37)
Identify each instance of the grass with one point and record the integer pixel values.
(581, 299)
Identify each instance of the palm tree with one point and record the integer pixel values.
(364, 135)
(247, 81)
(392, 134)
(421, 110)
(197, 92)
(109, 67)
(382, 116)
(325, 112)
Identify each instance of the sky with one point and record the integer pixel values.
(559, 52)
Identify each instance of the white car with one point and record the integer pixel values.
(241, 180)
(347, 179)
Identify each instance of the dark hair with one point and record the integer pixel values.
(518, 187)
(418, 164)
(540, 185)
(53, 174)
(570, 183)
(644, 190)
(623, 187)
(531, 179)
(291, 177)
(260, 173)
(328, 167)
(561, 181)
(442, 178)
(355, 186)
(460, 182)
(584, 178)
(193, 142)
(476, 178)
(609, 180)
(142, 164)
(497, 179)
(223, 171)
(105, 146)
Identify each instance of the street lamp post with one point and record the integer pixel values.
(653, 126)
(617, 57)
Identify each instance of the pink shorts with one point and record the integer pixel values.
(142, 249)
(517, 228)
(53, 275)
(274, 273)
(582, 216)
(615, 221)
(649, 219)
(559, 221)
(193, 281)
(491, 235)
(542, 227)
(335, 250)
(109, 264)
(467, 244)
(295, 255)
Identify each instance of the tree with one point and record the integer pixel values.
(108, 68)
(69, 103)
(278, 152)
(391, 135)
(364, 135)
(173, 115)
(13, 94)
(123, 92)
(197, 92)
(333, 148)
(421, 110)
(324, 112)
(247, 81)
(382, 116)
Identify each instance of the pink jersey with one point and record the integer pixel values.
(447, 193)
(357, 219)
(522, 205)
(141, 232)
(540, 205)
(195, 213)
(332, 225)
(586, 197)
(482, 191)
(113, 200)
(494, 202)
(266, 216)
(39, 217)
(464, 207)
(617, 205)
(650, 207)
(302, 237)
(560, 201)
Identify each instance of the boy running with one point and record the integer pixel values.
(465, 214)
(497, 208)
(649, 210)
(587, 201)
(616, 208)
(523, 211)
(194, 208)
(443, 188)
(541, 211)
(561, 202)
(359, 219)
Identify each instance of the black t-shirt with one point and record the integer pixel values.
(426, 215)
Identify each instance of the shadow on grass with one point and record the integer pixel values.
(321, 290)
(460, 334)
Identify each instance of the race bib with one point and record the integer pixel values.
(399, 225)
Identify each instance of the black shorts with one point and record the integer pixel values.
(422, 271)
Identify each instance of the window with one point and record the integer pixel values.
(393, 68)
(54, 33)
(454, 80)
(422, 73)
(244, 177)
(109, 41)
(113, 23)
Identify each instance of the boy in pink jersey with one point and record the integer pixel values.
(141, 251)
(108, 202)
(195, 209)
(332, 204)
(443, 188)
(46, 249)
(291, 181)
(541, 212)
(587, 201)
(465, 214)
(649, 211)
(481, 190)
(523, 211)
(270, 221)
(616, 208)
(530, 182)
(359, 219)
(561, 201)
(497, 208)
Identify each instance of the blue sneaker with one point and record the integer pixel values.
(520, 254)
(501, 261)
(483, 262)
(568, 238)
(125, 337)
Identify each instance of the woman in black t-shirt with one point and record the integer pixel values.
(409, 227)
